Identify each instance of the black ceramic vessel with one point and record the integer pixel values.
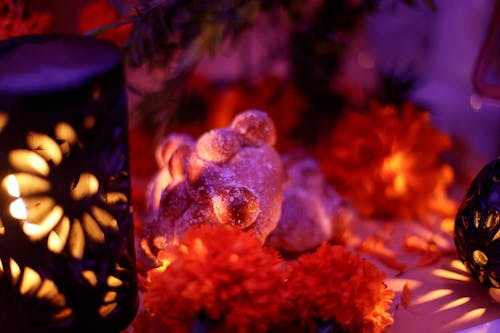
(477, 226)
(67, 259)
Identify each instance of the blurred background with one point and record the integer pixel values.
(439, 47)
(394, 51)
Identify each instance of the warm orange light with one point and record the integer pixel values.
(47, 290)
(199, 247)
(92, 229)
(45, 146)
(495, 294)
(458, 265)
(104, 218)
(28, 161)
(15, 270)
(450, 275)
(18, 209)
(89, 121)
(113, 198)
(38, 230)
(497, 236)
(393, 163)
(12, 186)
(114, 281)
(480, 257)
(76, 240)
(110, 296)
(432, 296)
(393, 169)
(87, 186)
(448, 225)
(467, 317)
(67, 135)
(91, 277)
(65, 132)
(166, 258)
(4, 119)
(454, 304)
(106, 309)
(386, 162)
(399, 283)
(59, 236)
(38, 207)
(24, 184)
(30, 282)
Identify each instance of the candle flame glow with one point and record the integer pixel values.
(18, 209)
(12, 186)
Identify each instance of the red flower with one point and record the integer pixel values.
(333, 284)
(222, 273)
(16, 20)
(99, 14)
(386, 162)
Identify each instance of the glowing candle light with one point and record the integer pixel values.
(66, 234)
(477, 226)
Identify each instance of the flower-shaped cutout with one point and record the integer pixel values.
(113, 282)
(38, 190)
(476, 239)
(477, 226)
(30, 284)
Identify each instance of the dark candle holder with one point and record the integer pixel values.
(477, 226)
(67, 260)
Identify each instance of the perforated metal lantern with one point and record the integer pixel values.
(477, 226)
(66, 231)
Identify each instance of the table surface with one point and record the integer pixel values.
(440, 297)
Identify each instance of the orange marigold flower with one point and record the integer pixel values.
(219, 272)
(16, 20)
(99, 14)
(386, 162)
(333, 284)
